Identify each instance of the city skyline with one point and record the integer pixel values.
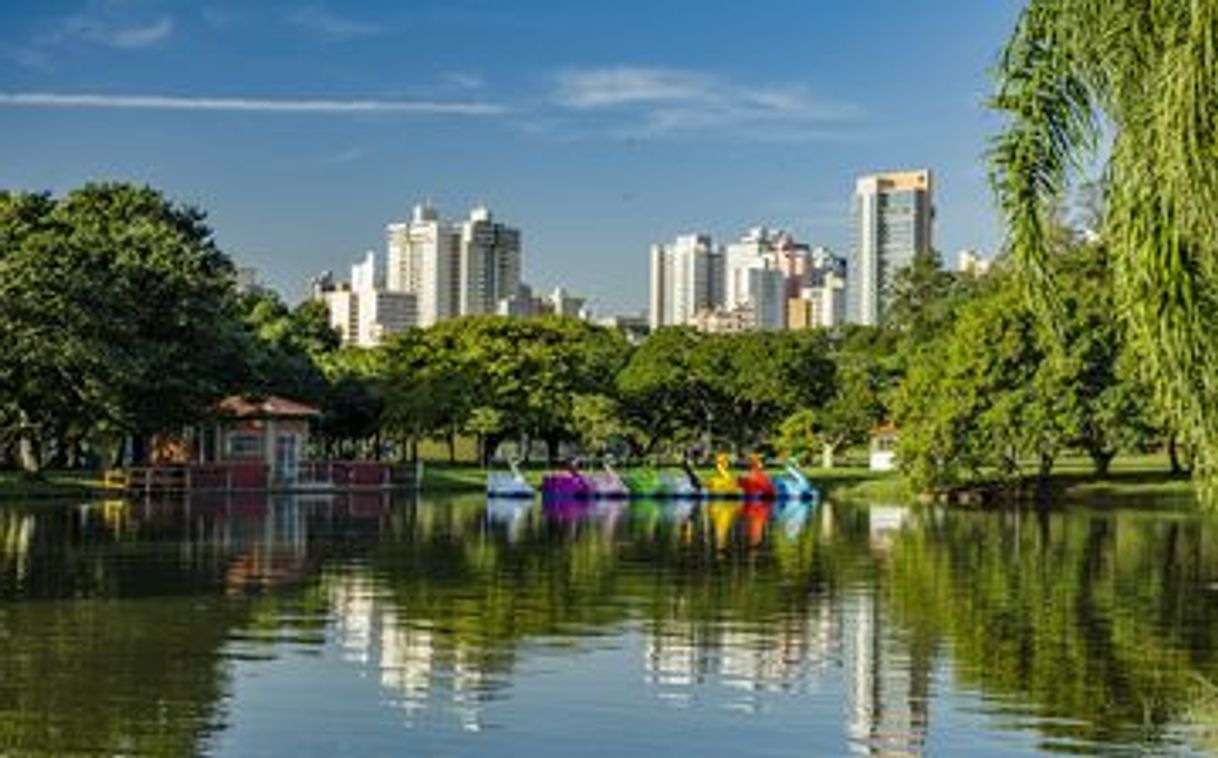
(593, 151)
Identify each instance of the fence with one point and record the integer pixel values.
(237, 477)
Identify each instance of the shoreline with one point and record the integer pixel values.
(851, 484)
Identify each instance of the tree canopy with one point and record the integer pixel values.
(1134, 84)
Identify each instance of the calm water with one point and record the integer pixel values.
(362, 626)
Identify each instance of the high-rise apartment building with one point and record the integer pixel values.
(686, 276)
(764, 270)
(767, 296)
(821, 304)
(453, 268)
(970, 262)
(893, 218)
(362, 311)
(488, 263)
(423, 261)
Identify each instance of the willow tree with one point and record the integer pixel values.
(1130, 86)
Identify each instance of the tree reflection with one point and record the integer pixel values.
(1092, 628)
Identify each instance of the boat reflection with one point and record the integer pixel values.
(876, 622)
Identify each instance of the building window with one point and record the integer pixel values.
(244, 445)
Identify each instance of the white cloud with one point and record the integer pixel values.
(104, 24)
(652, 102)
(119, 36)
(465, 79)
(330, 26)
(246, 104)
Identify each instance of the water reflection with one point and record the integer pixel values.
(867, 629)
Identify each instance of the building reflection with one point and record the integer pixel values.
(428, 673)
(844, 635)
(735, 607)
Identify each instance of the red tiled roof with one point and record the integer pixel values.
(269, 407)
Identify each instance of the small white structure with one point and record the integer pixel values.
(884, 448)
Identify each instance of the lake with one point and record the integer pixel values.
(370, 626)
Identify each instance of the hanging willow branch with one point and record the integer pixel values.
(1147, 71)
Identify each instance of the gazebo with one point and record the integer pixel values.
(271, 431)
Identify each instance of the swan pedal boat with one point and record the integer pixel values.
(572, 484)
(503, 484)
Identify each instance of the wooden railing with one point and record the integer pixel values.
(236, 476)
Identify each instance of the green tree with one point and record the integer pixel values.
(661, 391)
(985, 397)
(289, 346)
(117, 311)
(1143, 76)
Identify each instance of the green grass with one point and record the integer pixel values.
(840, 483)
(16, 485)
(1133, 478)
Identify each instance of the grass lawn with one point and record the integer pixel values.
(15, 485)
(853, 482)
(1132, 477)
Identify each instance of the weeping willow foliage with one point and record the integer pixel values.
(1134, 83)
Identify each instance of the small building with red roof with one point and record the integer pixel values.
(273, 431)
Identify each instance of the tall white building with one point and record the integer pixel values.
(342, 305)
(382, 313)
(970, 262)
(767, 295)
(423, 261)
(488, 263)
(748, 252)
(453, 268)
(563, 303)
(893, 219)
(764, 270)
(362, 311)
(686, 277)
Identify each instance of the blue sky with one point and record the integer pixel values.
(597, 128)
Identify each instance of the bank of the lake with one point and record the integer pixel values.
(1073, 480)
(16, 485)
(1132, 477)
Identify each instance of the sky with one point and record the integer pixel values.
(597, 128)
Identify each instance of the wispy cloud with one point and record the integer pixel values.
(247, 104)
(643, 102)
(464, 79)
(110, 33)
(104, 24)
(331, 26)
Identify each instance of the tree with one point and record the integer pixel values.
(661, 392)
(923, 296)
(352, 400)
(798, 435)
(289, 346)
(117, 311)
(868, 363)
(985, 398)
(1143, 75)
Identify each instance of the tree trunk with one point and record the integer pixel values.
(1173, 453)
(451, 439)
(488, 447)
(27, 444)
(1045, 466)
(551, 449)
(826, 455)
(139, 449)
(1102, 461)
(59, 459)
